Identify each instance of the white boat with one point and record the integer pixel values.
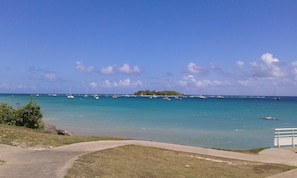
(202, 97)
(166, 98)
(269, 118)
(70, 96)
(275, 97)
(96, 97)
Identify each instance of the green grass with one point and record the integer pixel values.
(30, 138)
(137, 161)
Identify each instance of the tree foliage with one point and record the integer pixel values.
(28, 116)
(157, 93)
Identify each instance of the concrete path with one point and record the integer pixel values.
(54, 162)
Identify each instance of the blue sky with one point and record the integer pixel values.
(224, 47)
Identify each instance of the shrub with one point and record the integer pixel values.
(7, 114)
(28, 116)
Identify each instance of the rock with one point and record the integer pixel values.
(50, 129)
(63, 132)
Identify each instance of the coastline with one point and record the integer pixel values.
(229, 123)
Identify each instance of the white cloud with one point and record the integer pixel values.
(127, 70)
(107, 83)
(207, 83)
(187, 80)
(269, 67)
(268, 58)
(122, 83)
(107, 70)
(92, 85)
(125, 82)
(244, 83)
(21, 86)
(3, 85)
(294, 69)
(50, 76)
(192, 68)
(190, 81)
(240, 64)
(82, 68)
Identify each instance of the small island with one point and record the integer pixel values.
(157, 93)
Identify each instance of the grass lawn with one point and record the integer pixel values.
(30, 138)
(137, 161)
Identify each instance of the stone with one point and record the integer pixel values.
(63, 132)
(50, 129)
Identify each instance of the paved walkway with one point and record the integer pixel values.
(54, 162)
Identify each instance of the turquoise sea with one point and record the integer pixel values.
(229, 123)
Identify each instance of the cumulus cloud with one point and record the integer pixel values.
(125, 82)
(50, 76)
(80, 67)
(192, 68)
(240, 64)
(92, 85)
(269, 67)
(294, 69)
(125, 69)
(129, 70)
(107, 83)
(245, 83)
(190, 81)
(121, 83)
(107, 70)
(21, 86)
(3, 85)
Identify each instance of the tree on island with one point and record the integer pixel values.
(157, 93)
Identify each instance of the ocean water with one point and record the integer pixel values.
(229, 123)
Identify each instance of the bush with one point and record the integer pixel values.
(28, 116)
(7, 114)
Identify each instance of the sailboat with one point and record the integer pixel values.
(275, 98)
(201, 96)
(166, 98)
(70, 96)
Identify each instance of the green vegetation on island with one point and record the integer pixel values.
(157, 93)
